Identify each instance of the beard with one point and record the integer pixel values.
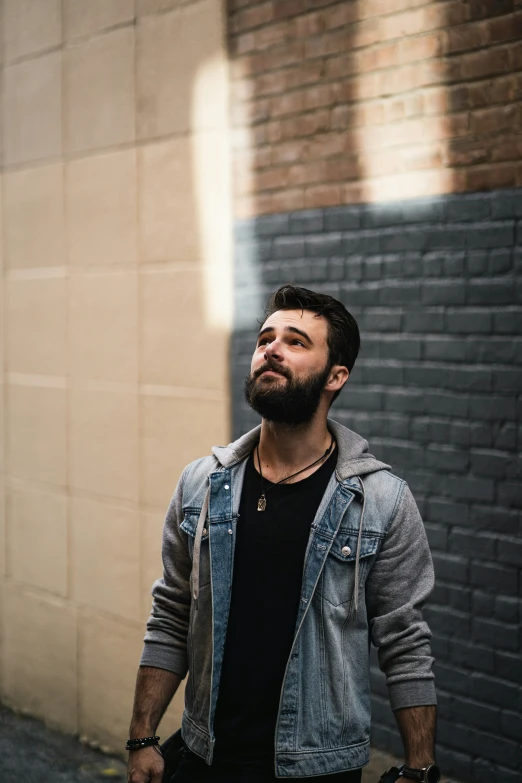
(292, 402)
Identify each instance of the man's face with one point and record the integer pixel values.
(289, 367)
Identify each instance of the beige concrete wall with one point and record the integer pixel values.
(116, 307)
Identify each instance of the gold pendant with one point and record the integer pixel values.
(261, 503)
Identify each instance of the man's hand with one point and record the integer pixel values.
(145, 765)
(154, 690)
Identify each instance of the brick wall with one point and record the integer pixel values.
(353, 101)
(436, 390)
(377, 156)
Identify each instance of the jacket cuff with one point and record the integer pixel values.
(412, 693)
(164, 656)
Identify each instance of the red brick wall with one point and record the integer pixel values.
(363, 100)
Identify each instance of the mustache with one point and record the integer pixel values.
(274, 366)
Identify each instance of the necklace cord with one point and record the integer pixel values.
(293, 475)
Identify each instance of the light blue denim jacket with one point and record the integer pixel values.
(367, 572)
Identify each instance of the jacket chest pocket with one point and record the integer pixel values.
(189, 526)
(338, 577)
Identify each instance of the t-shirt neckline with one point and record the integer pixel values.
(295, 483)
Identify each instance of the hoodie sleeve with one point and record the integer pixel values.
(165, 643)
(399, 583)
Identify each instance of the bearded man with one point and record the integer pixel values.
(284, 554)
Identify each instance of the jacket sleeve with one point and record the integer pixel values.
(165, 643)
(399, 583)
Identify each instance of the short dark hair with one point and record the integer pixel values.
(344, 339)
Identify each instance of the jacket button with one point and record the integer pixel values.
(346, 551)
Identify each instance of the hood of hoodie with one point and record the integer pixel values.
(354, 458)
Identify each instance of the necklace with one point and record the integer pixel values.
(261, 503)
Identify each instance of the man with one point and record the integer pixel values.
(284, 553)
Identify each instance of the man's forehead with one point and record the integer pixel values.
(302, 319)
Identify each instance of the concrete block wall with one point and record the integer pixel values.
(116, 278)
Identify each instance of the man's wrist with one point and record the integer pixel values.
(142, 730)
(426, 773)
(142, 742)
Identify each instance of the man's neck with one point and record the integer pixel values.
(283, 448)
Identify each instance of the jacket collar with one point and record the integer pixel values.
(354, 458)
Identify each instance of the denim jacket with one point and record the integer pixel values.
(367, 572)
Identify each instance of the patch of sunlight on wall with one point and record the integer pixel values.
(213, 146)
(211, 160)
(404, 158)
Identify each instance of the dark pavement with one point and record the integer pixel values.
(30, 752)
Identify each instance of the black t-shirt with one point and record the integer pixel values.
(268, 568)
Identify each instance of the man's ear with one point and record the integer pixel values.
(337, 378)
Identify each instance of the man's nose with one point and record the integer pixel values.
(273, 351)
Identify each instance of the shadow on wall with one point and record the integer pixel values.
(435, 390)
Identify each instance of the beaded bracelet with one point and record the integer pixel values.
(143, 742)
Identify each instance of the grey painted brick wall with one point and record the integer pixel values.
(435, 287)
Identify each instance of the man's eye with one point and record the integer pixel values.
(297, 342)
(263, 341)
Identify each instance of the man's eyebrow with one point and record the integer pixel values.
(293, 329)
(299, 331)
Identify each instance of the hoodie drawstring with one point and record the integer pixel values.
(358, 552)
(197, 548)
